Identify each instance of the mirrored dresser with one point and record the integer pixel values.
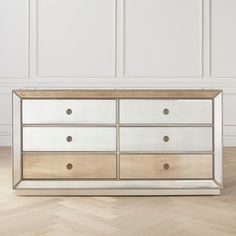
(117, 142)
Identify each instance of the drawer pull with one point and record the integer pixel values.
(68, 111)
(69, 166)
(166, 111)
(68, 138)
(166, 166)
(166, 138)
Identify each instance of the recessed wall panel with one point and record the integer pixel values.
(76, 38)
(14, 38)
(163, 38)
(223, 38)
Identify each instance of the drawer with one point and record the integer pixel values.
(43, 166)
(166, 139)
(165, 111)
(69, 111)
(166, 166)
(69, 139)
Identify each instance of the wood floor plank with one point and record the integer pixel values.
(116, 216)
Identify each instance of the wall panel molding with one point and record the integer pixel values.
(102, 26)
(14, 54)
(206, 38)
(222, 38)
(129, 25)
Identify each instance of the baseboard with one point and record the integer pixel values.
(5, 140)
(230, 141)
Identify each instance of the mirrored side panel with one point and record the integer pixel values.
(16, 139)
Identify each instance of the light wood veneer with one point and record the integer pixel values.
(51, 166)
(165, 166)
(117, 93)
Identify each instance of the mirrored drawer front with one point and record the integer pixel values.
(69, 139)
(43, 166)
(166, 139)
(165, 111)
(69, 111)
(165, 166)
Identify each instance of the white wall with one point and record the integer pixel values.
(118, 43)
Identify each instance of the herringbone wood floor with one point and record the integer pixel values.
(118, 216)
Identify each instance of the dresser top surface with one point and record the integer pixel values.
(116, 93)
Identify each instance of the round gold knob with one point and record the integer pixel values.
(68, 111)
(166, 111)
(68, 138)
(166, 138)
(166, 166)
(69, 166)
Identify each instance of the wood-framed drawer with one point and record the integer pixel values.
(159, 139)
(50, 166)
(166, 166)
(69, 139)
(86, 111)
(165, 111)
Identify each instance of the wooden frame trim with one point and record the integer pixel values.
(115, 93)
